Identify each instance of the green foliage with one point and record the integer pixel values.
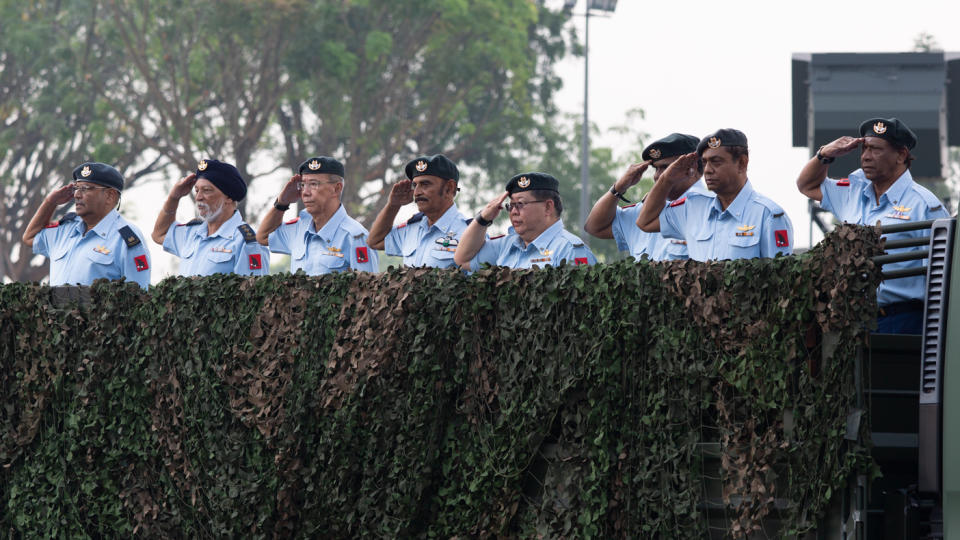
(562, 402)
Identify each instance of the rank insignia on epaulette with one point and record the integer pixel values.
(714, 142)
(102, 249)
(879, 128)
(249, 236)
(85, 171)
(655, 153)
(140, 261)
(202, 166)
(778, 215)
(523, 182)
(313, 165)
(745, 230)
(129, 237)
(421, 166)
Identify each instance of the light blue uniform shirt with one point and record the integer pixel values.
(752, 226)
(341, 244)
(114, 248)
(553, 245)
(225, 251)
(638, 242)
(421, 244)
(854, 201)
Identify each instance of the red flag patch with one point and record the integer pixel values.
(255, 263)
(362, 255)
(782, 238)
(580, 260)
(141, 263)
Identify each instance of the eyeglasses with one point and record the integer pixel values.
(83, 190)
(519, 205)
(313, 186)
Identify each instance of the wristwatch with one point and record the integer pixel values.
(617, 194)
(484, 222)
(824, 159)
(281, 207)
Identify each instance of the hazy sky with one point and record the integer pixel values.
(694, 67)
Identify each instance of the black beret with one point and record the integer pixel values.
(322, 165)
(99, 173)
(722, 137)
(532, 181)
(438, 165)
(890, 129)
(225, 176)
(674, 144)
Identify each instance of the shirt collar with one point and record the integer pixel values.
(896, 191)
(446, 220)
(739, 203)
(543, 241)
(106, 224)
(227, 229)
(329, 229)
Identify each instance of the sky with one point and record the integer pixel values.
(693, 68)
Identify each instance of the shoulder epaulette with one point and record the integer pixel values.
(192, 222)
(932, 201)
(497, 236)
(292, 221)
(629, 206)
(416, 217)
(678, 202)
(767, 203)
(69, 216)
(843, 182)
(249, 235)
(129, 236)
(468, 220)
(778, 214)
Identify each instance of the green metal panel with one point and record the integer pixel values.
(951, 402)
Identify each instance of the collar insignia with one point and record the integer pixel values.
(85, 171)
(202, 166)
(313, 165)
(102, 249)
(655, 153)
(523, 182)
(879, 128)
(421, 166)
(714, 142)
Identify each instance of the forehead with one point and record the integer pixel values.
(81, 183)
(426, 179)
(522, 196)
(719, 153)
(877, 143)
(203, 183)
(665, 161)
(315, 177)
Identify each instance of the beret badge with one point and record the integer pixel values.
(714, 142)
(313, 165)
(655, 153)
(85, 171)
(524, 182)
(879, 128)
(202, 166)
(421, 166)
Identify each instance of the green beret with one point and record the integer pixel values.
(223, 175)
(99, 173)
(675, 144)
(722, 137)
(322, 165)
(438, 165)
(533, 181)
(890, 129)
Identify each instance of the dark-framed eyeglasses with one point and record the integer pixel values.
(83, 190)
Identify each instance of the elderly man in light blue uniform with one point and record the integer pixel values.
(607, 220)
(735, 222)
(219, 241)
(431, 236)
(880, 191)
(95, 241)
(323, 238)
(537, 237)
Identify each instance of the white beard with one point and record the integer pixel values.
(211, 214)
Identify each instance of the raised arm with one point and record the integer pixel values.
(400, 194)
(815, 171)
(474, 236)
(274, 218)
(600, 221)
(168, 213)
(40, 219)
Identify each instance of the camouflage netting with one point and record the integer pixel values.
(564, 402)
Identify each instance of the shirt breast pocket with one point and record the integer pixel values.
(98, 258)
(745, 246)
(219, 257)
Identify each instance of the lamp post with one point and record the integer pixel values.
(607, 6)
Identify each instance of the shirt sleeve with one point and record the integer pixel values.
(489, 252)
(576, 254)
(364, 258)
(279, 240)
(623, 220)
(253, 259)
(672, 220)
(41, 242)
(835, 197)
(777, 235)
(393, 242)
(137, 265)
(174, 238)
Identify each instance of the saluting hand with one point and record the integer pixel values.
(291, 190)
(632, 176)
(841, 147)
(61, 195)
(183, 188)
(492, 209)
(401, 193)
(682, 169)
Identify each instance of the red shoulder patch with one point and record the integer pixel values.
(678, 202)
(402, 225)
(497, 236)
(781, 237)
(141, 263)
(52, 225)
(255, 261)
(843, 182)
(629, 206)
(292, 221)
(362, 256)
(580, 260)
